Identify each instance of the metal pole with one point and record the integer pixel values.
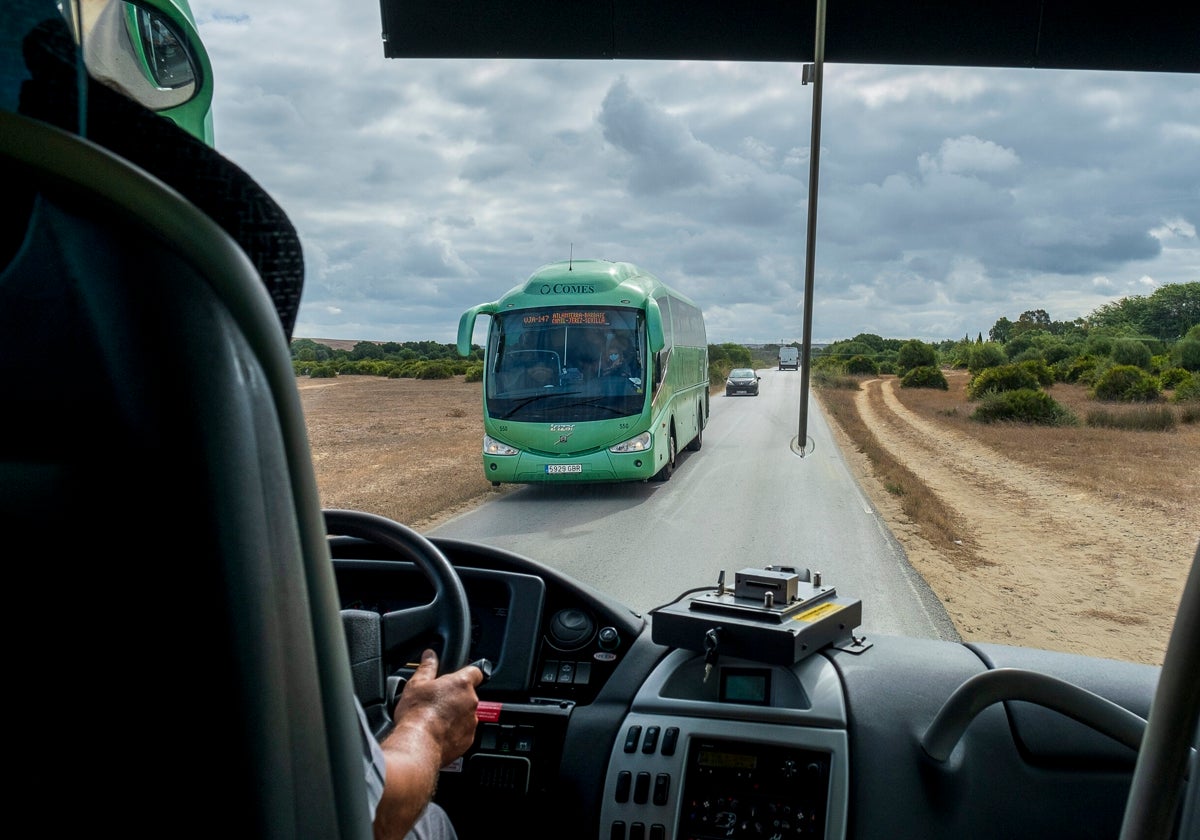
(800, 445)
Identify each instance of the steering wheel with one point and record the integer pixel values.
(447, 615)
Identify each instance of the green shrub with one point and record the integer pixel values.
(474, 373)
(325, 370)
(859, 365)
(1098, 344)
(925, 377)
(1017, 345)
(1040, 370)
(1186, 353)
(985, 355)
(358, 367)
(1024, 405)
(1187, 392)
(1057, 352)
(1126, 383)
(1002, 378)
(1081, 369)
(1174, 377)
(915, 353)
(1130, 351)
(1145, 419)
(1029, 354)
(435, 370)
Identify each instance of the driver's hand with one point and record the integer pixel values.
(443, 706)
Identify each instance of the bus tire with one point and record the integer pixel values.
(668, 468)
(698, 440)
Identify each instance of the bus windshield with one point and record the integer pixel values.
(566, 364)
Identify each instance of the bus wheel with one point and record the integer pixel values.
(665, 473)
(698, 440)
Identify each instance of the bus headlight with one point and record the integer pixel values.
(491, 446)
(641, 443)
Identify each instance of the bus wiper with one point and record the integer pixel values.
(601, 402)
(508, 414)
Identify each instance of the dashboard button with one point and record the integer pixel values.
(650, 744)
(523, 742)
(624, 780)
(632, 736)
(670, 739)
(662, 787)
(641, 788)
(609, 638)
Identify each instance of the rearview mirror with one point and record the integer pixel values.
(150, 51)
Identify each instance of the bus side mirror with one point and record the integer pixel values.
(654, 326)
(466, 325)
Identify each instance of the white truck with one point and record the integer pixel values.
(789, 358)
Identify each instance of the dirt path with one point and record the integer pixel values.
(1060, 568)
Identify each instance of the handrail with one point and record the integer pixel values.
(1002, 684)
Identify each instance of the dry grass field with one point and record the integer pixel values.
(1072, 539)
(407, 449)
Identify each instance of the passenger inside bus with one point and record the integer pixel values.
(619, 361)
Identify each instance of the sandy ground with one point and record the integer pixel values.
(1059, 567)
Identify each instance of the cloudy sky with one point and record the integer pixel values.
(947, 198)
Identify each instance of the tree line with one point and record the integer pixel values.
(1152, 342)
(432, 360)
(1134, 350)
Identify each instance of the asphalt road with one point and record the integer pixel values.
(745, 500)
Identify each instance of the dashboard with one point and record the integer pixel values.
(601, 722)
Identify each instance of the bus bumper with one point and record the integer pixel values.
(530, 468)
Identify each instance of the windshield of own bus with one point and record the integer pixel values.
(566, 364)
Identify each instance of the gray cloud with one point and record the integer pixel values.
(947, 197)
(663, 155)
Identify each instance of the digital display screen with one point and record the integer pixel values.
(746, 685)
(579, 316)
(726, 760)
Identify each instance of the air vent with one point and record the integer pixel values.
(571, 629)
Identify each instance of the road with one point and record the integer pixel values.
(745, 500)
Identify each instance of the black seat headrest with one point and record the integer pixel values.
(209, 180)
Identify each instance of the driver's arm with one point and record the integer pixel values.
(435, 724)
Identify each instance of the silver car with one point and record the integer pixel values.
(742, 381)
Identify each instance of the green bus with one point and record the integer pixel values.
(593, 371)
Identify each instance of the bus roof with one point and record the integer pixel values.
(575, 283)
(611, 282)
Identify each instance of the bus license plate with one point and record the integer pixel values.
(561, 469)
